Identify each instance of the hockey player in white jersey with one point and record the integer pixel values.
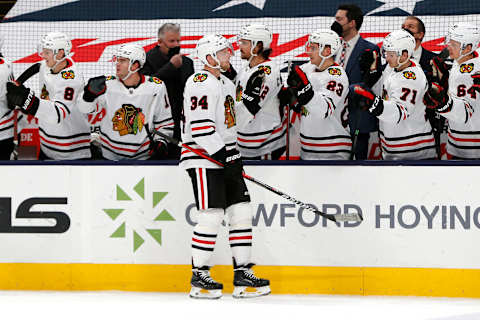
(261, 131)
(454, 94)
(6, 115)
(134, 104)
(209, 126)
(320, 90)
(405, 133)
(64, 131)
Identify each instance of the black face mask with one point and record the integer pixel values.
(337, 27)
(173, 51)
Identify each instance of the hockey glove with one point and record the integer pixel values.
(233, 165)
(251, 93)
(437, 98)
(94, 88)
(297, 79)
(370, 68)
(22, 97)
(158, 151)
(440, 71)
(367, 100)
(220, 155)
(288, 97)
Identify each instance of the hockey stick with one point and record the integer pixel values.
(287, 151)
(27, 74)
(333, 217)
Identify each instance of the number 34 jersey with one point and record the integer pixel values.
(209, 121)
(323, 126)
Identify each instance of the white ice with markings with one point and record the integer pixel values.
(132, 305)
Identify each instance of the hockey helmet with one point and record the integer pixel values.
(256, 33)
(324, 37)
(211, 44)
(465, 34)
(399, 41)
(133, 52)
(55, 41)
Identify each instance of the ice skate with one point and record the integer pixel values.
(203, 286)
(247, 285)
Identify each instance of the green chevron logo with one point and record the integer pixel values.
(122, 216)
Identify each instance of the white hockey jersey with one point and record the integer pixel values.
(405, 133)
(209, 121)
(6, 115)
(263, 132)
(64, 130)
(128, 111)
(464, 115)
(324, 133)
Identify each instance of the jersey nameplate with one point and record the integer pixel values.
(200, 77)
(409, 75)
(335, 71)
(466, 68)
(69, 74)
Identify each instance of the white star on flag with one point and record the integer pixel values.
(407, 6)
(256, 3)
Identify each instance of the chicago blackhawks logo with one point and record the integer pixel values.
(265, 69)
(409, 75)
(238, 93)
(69, 74)
(128, 120)
(200, 77)
(229, 111)
(44, 94)
(335, 71)
(110, 78)
(155, 80)
(466, 68)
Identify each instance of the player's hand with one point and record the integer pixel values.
(297, 79)
(94, 88)
(22, 97)
(288, 97)
(176, 60)
(251, 93)
(158, 151)
(233, 165)
(436, 97)
(220, 155)
(440, 71)
(366, 100)
(370, 68)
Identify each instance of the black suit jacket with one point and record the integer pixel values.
(158, 65)
(425, 58)
(359, 119)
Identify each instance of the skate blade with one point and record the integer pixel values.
(199, 293)
(250, 292)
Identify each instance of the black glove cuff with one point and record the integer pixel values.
(220, 155)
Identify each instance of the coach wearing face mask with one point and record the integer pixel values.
(358, 65)
(164, 61)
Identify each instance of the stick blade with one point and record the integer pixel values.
(354, 217)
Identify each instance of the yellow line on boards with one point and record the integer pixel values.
(284, 279)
